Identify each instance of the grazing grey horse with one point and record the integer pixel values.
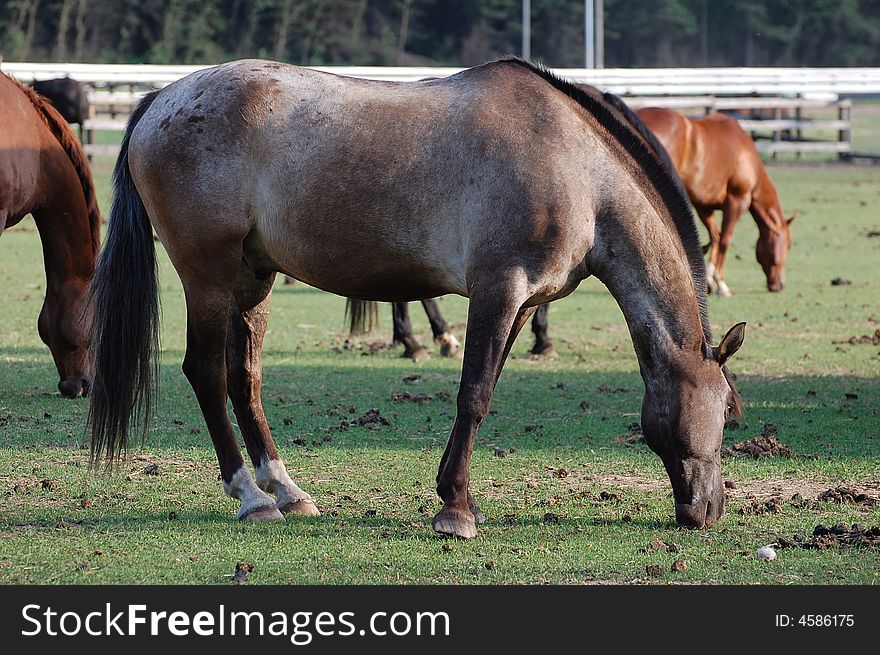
(502, 183)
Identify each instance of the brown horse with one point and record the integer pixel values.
(502, 183)
(44, 172)
(721, 169)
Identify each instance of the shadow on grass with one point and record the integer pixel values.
(534, 409)
(569, 522)
(317, 527)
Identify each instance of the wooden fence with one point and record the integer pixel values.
(799, 107)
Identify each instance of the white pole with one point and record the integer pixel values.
(526, 29)
(589, 34)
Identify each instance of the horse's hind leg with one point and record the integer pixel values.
(449, 345)
(248, 319)
(403, 333)
(708, 218)
(208, 299)
(734, 207)
(495, 317)
(543, 346)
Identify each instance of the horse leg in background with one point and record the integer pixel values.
(248, 319)
(543, 346)
(708, 217)
(208, 292)
(733, 208)
(403, 333)
(69, 259)
(495, 317)
(449, 345)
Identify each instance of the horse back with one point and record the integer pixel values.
(21, 167)
(322, 173)
(750, 175)
(713, 156)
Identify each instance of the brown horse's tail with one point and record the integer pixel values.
(362, 316)
(124, 299)
(71, 145)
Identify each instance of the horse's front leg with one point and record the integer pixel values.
(248, 320)
(495, 317)
(69, 257)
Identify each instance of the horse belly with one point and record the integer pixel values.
(356, 257)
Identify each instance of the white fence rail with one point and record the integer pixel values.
(805, 82)
(115, 88)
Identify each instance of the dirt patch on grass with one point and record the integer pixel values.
(631, 438)
(837, 536)
(766, 445)
(761, 507)
(865, 339)
(847, 495)
(419, 398)
(758, 448)
(777, 488)
(755, 491)
(371, 419)
(634, 481)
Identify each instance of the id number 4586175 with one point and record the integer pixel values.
(815, 621)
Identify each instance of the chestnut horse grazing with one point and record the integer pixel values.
(502, 183)
(721, 169)
(44, 172)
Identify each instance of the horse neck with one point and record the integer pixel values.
(62, 133)
(766, 207)
(641, 258)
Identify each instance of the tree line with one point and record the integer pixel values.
(441, 32)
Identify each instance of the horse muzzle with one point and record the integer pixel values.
(74, 387)
(699, 495)
(701, 514)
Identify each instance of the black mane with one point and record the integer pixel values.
(654, 160)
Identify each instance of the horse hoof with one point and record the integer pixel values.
(455, 523)
(479, 517)
(421, 354)
(545, 353)
(262, 514)
(304, 507)
(450, 346)
(723, 290)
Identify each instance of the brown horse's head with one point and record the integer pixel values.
(683, 422)
(61, 329)
(771, 251)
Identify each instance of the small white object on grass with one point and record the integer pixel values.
(766, 552)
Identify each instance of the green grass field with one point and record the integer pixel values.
(559, 420)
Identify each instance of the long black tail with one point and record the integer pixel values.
(362, 316)
(124, 305)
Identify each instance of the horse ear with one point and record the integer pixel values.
(730, 343)
(793, 216)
